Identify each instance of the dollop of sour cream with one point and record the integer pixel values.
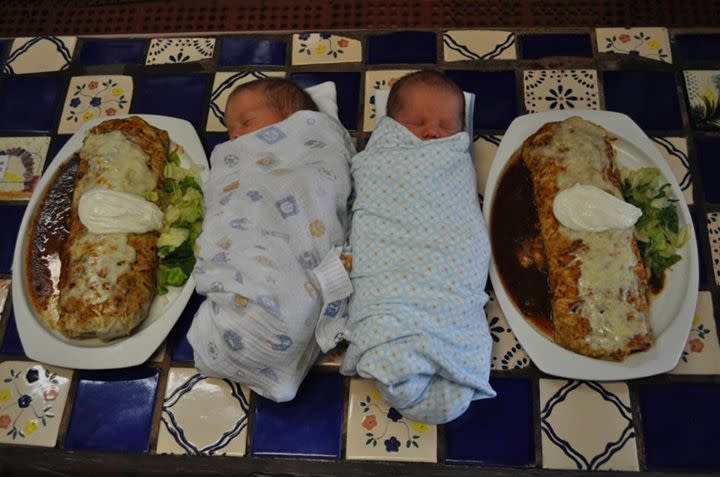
(105, 211)
(590, 209)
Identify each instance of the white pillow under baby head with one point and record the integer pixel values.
(381, 98)
(325, 97)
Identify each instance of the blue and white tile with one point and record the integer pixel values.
(483, 152)
(507, 352)
(713, 225)
(91, 97)
(376, 431)
(703, 89)
(702, 351)
(374, 80)
(648, 42)
(40, 54)
(203, 416)
(21, 165)
(674, 150)
(223, 85)
(569, 409)
(547, 90)
(324, 48)
(179, 50)
(470, 45)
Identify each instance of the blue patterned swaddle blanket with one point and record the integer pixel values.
(420, 261)
(276, 206)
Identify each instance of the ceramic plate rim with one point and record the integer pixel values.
(550, 357)
(42, 345)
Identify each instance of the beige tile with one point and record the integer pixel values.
(21, 165)
(91, 97)
(203, 416)
(547, 90)
(380, 79)
(674, 150)
(464, 45)
(702, 352)
(649, 42)
(324, 48)
(483, 152)
(40, 54)
(713, 224)
(223, 85)
(32, 402)
(703, 89)
(179, 50)
(586, 426)
(4, 292)
(374, 432)
(507, 353)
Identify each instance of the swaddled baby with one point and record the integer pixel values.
(420, 257)
(276, 207)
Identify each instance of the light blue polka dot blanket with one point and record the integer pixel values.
(420, 262)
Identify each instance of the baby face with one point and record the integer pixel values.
(430, 113)
(249, 111)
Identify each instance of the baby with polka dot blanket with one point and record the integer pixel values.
(420, 257)
(276, 210)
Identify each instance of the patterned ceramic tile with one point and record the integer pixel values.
(702, 352)
(323, 48)
(464, 45)
(560, 89)
(376, 431)
(703, 88)
(698, 46)
(4, 292)
(39, 54)
(713, 225)
(21, 165)
(402, 47)
(507, 352)
(91, 97)
(674, 150)
(203, 416)
(32, 402)
(495, 96)
(483, 152)
(224, 83)
(569, 409)
(704, 259)
(179, 50)
(11, 217)
(380, 79)
(533, 47)
(650, 42)
(29, 104)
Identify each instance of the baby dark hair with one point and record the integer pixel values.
(282, 95)
(432, 78)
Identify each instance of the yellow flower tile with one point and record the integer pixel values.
(465, 45)
(91, 97)
(324, 48)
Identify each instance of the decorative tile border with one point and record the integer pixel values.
(91, 97)
(507, 352)
(464, 45)
(378, 79)
(179, 50)
(324, 48)
(674, 150)
(560, 89)
(703, 88)
(649, 42)
(39, 54)
(702, 352)
(713, 224)
(21, 165)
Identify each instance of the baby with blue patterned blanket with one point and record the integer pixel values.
(276, 209)
(420, 257)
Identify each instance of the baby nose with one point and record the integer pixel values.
(431, 131)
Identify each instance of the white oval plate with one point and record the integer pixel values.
(671, 312)
(51, 347)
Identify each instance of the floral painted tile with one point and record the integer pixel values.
(674, 150)
(546, 90)
(203, 416)
(713, 225)
(179, 50)
(324, 48)
(376, 431)
(702, 352)
(464, 45)
(223, 85)
(649, 42)
(21, 165)
(507, 353)
(39, 54)
(91, 97)
(703, 88)
(483, 153)
(569, 409)
(32, 402)
(379, 79)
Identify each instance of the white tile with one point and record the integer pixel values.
(507, 353)
(702, 352)
(703, 88)
(464, 45)
(547, 90)
(39, 54)
(179, 50)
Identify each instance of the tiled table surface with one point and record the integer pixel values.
(667, 81)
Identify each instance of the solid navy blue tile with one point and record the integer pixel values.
(178, 96)
(348, 92)
(30, 103)
(113, 410)
(212, 140)
(707, 154)
(3, 50)
(650, 98)
(497, 431)
(496, 102)
(57, 143)
(252, 51)
(10, 217)
(402, 47)
(308, 426)
(533, 47)
(181, 349)
(11, 341)
(698, 46)
(703, 282)
(111, 52)
(681, 425)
